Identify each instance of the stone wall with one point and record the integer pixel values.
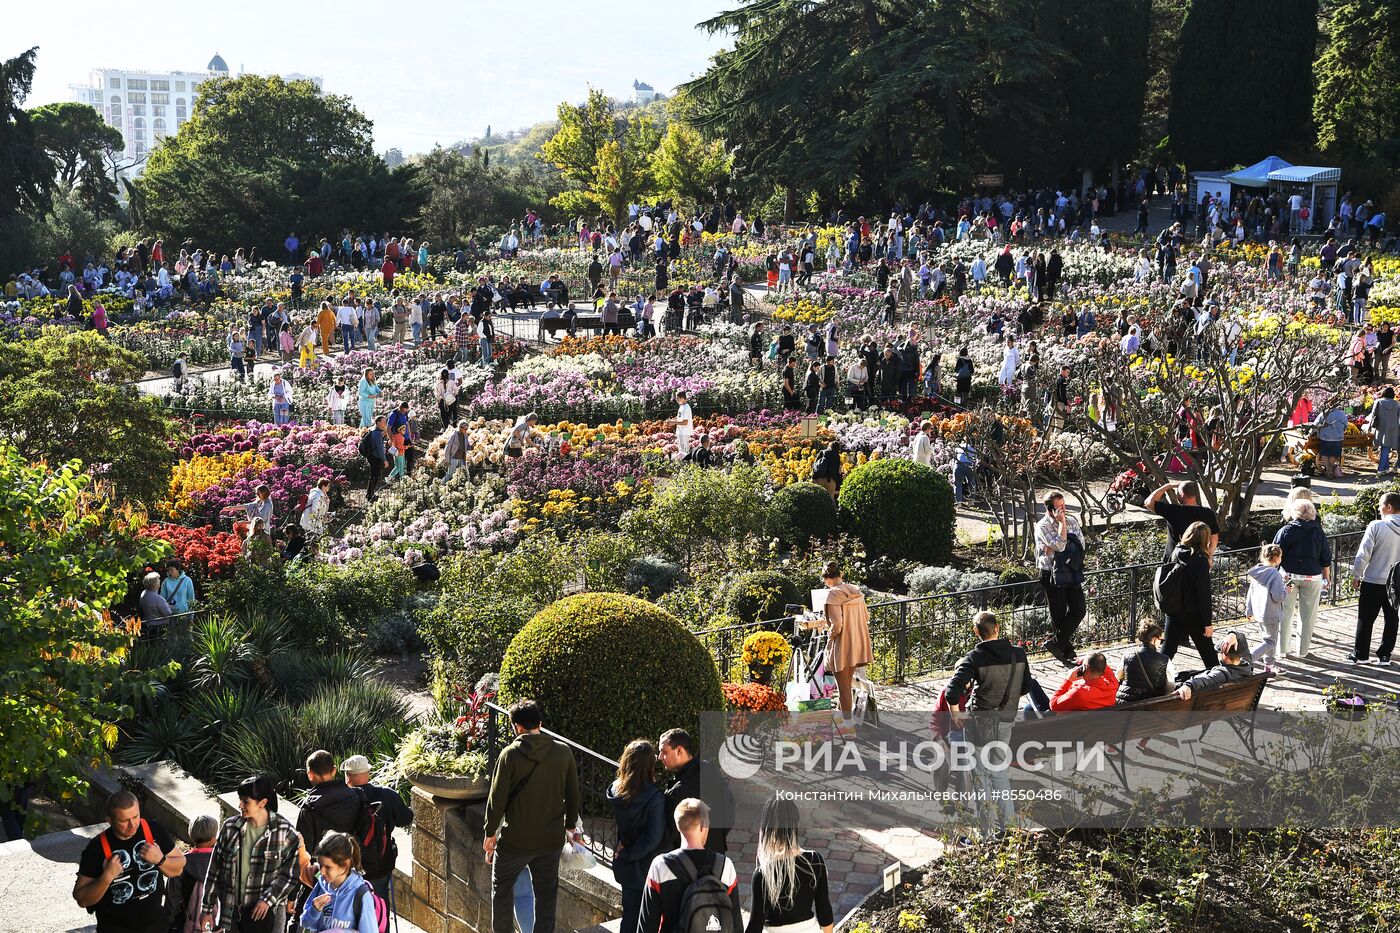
(451, 890)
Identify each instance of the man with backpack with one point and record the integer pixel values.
(374, 448)
(124, 873)
(333, 805)
(390, 808)
(1059, 549)
(533, 806)
(1375, 566)
(691, 889)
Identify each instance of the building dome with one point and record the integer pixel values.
(217, 63)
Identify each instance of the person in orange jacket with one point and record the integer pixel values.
(1091, 685)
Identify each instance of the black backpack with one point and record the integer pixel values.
(372, 833)
(366, 450)
(706, 906)
(1169, 588)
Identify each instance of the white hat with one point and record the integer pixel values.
(356, 764)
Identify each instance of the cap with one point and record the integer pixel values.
(356, 764)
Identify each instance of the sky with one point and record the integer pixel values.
(426, 71)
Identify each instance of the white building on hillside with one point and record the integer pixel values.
(642, 93)
(148, 106)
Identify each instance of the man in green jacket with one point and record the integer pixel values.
(534, 803)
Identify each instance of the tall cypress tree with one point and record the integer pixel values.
(1357, 107)
(1242, 86)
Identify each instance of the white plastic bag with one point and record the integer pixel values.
(576, 856)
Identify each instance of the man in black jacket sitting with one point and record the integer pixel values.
(694, 778)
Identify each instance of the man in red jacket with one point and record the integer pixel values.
(1092, 685)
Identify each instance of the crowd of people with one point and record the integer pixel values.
(256, 872)
(260, 872)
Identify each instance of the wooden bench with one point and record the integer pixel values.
(554, 325)
(1149, 718)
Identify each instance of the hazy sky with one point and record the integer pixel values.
(425, 71)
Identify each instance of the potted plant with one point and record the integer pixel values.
(448, 759)
(763, 653)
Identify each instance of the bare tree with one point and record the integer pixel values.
(1251, 384)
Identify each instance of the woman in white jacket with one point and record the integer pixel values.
(337, 400)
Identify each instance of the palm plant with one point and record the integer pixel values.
(221, 652)
(165, 733)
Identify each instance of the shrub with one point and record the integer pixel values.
(607, 668)
(900, 509)
(1021, 586)
(331, 603)
(760, 595)
(801, 512)
(929, 580)
(1335, 524)
(651, 577)
(699, 511)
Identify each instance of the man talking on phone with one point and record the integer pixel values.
(1059, 549)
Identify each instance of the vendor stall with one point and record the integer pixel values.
(1317, 185)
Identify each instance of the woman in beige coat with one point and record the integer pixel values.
(850, 634)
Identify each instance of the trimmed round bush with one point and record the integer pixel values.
(761, 594)
(608, 668)
(899, 509)
(801, 512)
(1021, 586)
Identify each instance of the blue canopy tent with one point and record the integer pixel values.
(1257, 175)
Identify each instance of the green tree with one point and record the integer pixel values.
(68, 396)
(1357, 107)
(688, 168)
(67, 556)
(604, 155)
(26, 175)
(77, 140)
(464, 195)
(260, 157)
(869, 99)
(1242, 85)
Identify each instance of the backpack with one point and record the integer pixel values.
(1169, 588)
(376, 848)
(705, 906)
(381, 910)
(1069, 564)
(366, 450)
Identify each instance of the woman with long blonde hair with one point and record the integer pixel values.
(789, 884)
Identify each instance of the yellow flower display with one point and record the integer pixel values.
(767, 649)
(199, 473)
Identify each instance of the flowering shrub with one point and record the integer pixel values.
(768, 649)
(193, 476)
(286, 483)
(204, 552)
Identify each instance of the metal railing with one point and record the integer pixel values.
(923, 636)
(596, 774)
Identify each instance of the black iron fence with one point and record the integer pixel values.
(926, 635)
(595, 775)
